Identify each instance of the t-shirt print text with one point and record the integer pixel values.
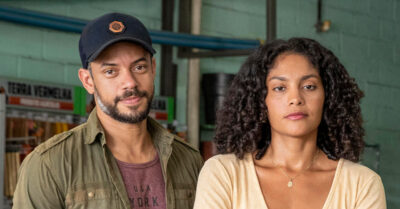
(144, 198)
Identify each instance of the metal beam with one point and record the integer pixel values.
(219, 53)
(168, 74)
(271, 20)
(68, 24)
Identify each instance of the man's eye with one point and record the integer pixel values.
(279, 88)
(140, 68)
(109, 72)
(309, 87)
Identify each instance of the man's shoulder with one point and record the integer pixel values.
(184, 152)
(59, 139)
(177, 143)
(183, 144)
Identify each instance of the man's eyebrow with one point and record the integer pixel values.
(139, 60)
(113, 64)
(108, 64)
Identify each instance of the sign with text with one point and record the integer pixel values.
(39, 95)
(162, 109)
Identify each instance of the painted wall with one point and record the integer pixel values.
(365, 35)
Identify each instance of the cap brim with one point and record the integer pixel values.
(113, 41)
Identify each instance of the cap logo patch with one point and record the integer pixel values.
(116, 27)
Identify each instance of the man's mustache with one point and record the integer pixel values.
(128, 93)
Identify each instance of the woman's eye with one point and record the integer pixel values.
(309, 87)
(279, 88)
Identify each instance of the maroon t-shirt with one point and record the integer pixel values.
(144, 183)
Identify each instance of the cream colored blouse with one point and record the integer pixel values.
(225, 182)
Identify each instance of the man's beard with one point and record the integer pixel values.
(133, 117)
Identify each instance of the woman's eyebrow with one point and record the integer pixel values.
(309, 76)
(278, 78)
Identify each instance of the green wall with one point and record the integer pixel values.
(365, 35)
(39, 54)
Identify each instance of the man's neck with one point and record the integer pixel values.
(129, 143)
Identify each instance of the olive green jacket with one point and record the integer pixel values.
(75, 169)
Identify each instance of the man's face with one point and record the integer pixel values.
(122, 81)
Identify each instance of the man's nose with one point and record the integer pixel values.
(129, 80)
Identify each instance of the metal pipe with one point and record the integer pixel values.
(203, 38)
(193, 85)
(68, 24)
(201, 44)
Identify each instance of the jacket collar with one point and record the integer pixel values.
(94, 131)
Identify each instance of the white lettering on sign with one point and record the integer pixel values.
(39, 103)
(41, 91)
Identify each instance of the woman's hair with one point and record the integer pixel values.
(242, 122)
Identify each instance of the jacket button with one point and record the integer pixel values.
(90, 194)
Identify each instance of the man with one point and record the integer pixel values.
(119, 158)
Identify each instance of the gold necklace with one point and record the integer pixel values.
(290, 183)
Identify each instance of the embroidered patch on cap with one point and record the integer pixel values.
(116, 27)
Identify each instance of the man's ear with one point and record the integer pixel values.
(86, 79)
(153, 66)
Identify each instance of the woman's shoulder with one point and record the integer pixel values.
(229, 162)
(360, 183)
(223, 158)
(359, 171)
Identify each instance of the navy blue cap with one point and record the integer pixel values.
(108, 29)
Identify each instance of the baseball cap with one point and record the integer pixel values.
(108, 29)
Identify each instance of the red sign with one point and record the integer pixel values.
(40, 103)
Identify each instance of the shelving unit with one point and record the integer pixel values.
(2, 146)
(30, 128)
(30, 113)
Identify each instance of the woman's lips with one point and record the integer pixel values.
(296, 116)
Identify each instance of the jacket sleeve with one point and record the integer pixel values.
(36, 186)
(372, 195)
(214, 188)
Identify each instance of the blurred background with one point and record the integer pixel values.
(200, 46)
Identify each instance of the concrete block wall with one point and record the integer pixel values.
(365, 35)
(62, 48)
(34, 53)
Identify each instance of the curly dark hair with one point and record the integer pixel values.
(242, 123)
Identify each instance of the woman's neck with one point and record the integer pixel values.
(293, 153)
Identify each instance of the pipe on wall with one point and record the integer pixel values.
(68, 24)
(193, 85)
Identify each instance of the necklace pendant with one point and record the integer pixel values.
(290, 183)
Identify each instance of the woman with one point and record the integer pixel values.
(291, 133)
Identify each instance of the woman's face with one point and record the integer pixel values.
(295, 96)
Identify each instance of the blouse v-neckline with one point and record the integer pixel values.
(259, 191)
